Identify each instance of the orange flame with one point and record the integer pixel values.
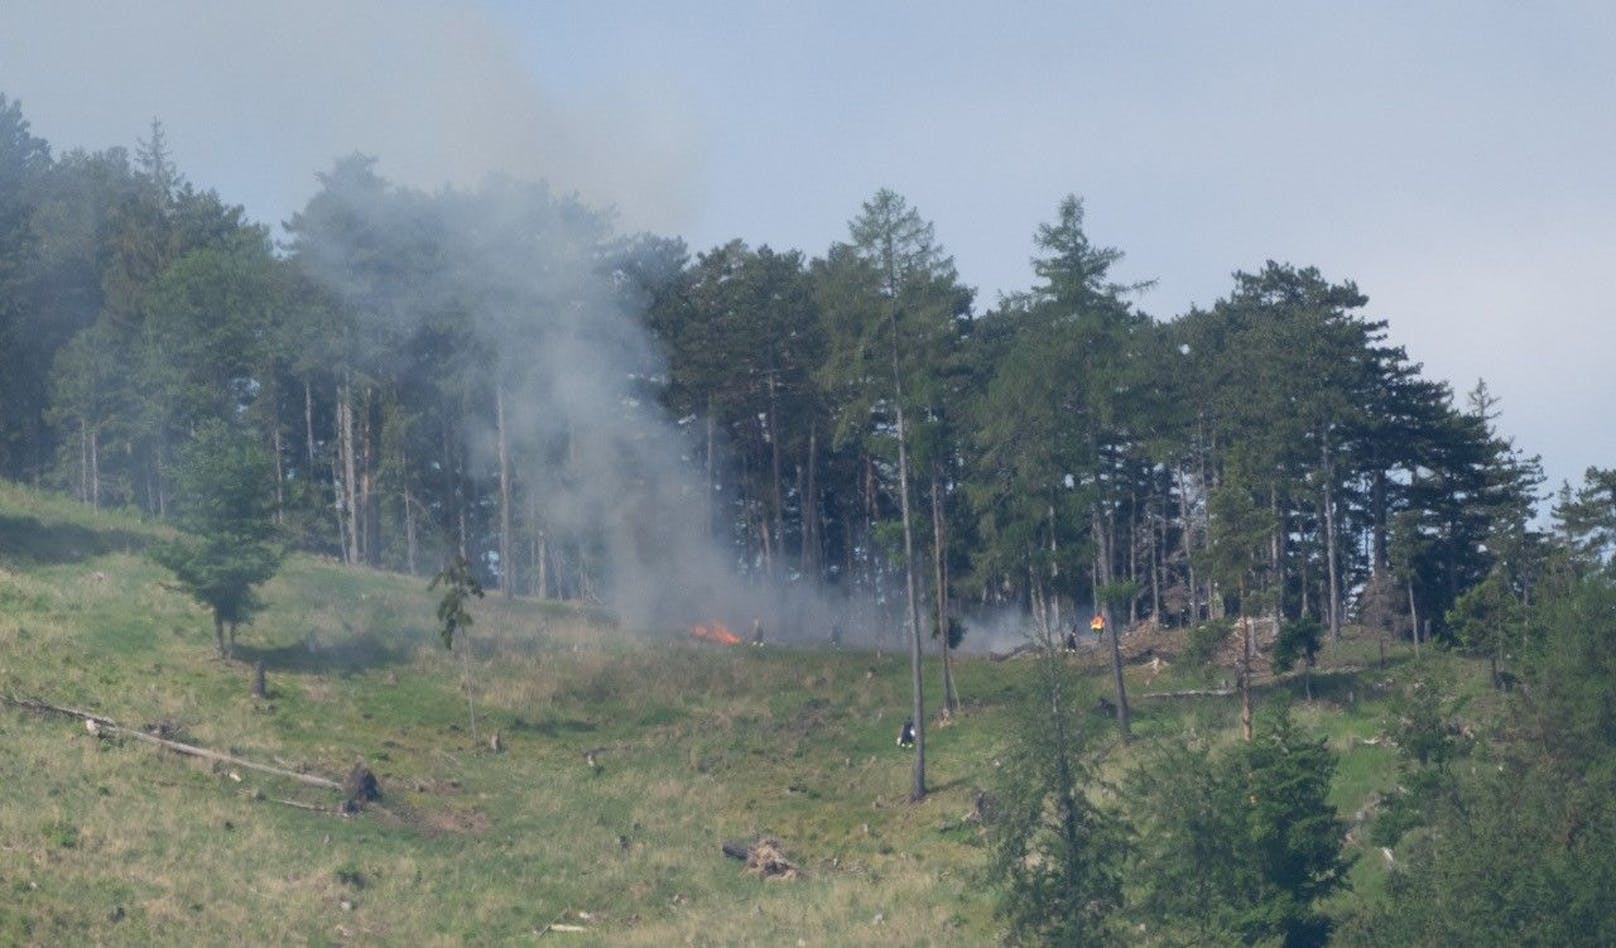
(717, 632)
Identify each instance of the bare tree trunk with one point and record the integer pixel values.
(950, 698)
(84, 462)
(507, 561)
(1189, 542)
(1102, 576)
(918, 789)
(1158, 545)
(339, 494)
(410, 541)
(778, 520)
(277, 445)
(1329, 538)
(542, 556)
(812, 555)
(95, 467)
(712, 461)
(1053, 599)
(308, 422)
(1245, 673)
(367, 532)
(349, 481)
(1413, 618)
(1133, 553)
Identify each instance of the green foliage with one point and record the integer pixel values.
(62, 833)
(1240, 846)
(224, 481)
(1203, 641)
(459, 586)
(1523, 850)
(1586, 519)
(1486, 617)
(1056, 854)
(1299, 640)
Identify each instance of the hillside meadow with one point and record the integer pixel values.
(625, 761)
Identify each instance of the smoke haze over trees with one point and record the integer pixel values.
(797, 440)
(584, 414)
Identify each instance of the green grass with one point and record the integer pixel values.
(116, 841)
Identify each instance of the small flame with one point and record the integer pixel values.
(716, 632)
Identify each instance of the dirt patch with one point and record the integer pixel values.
(456, 821)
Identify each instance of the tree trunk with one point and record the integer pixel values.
(278, 448)
(1413, 618)
(778, 520)
(349, 479)
(811, 554)
(308, 423)
(1245, 673)
(1329, 539)
(369, 536)
(1053, 599)
(950, 698)
(712, 461)
(918, 788)
(1102, 576)
(507, 560)
(1116, 674)
(1189, 542)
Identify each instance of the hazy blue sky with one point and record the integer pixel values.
(1457, 160)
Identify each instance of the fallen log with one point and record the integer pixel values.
(764, 857)
(1203, 693)
(108, 726)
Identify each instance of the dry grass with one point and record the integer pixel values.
(627, 761)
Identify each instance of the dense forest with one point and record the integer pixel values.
(497, 378)
(468, 372)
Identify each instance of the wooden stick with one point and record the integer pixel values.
(108, 725)
(1207, 693)
(300, 804)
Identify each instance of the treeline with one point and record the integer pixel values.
(433, 373)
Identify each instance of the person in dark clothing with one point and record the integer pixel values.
(906, 737)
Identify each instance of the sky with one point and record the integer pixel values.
(1456, 160)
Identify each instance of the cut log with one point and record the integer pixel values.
(764, 857)
(107, 726)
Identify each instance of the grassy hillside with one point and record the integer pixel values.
(114, 840)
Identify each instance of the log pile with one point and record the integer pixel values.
(765, 857)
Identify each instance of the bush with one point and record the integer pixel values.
(1205, 640)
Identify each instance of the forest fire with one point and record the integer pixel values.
(715, 632)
